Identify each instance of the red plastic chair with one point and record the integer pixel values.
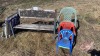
(67, 25)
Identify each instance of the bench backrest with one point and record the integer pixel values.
(37, 13)
(30, 15)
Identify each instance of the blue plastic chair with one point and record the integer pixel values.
(65, 41)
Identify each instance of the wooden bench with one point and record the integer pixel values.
(32, 16)
(33, 19)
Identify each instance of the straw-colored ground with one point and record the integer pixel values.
(32, 43)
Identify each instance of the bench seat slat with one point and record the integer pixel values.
(35, 27)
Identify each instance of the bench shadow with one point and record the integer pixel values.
(94, 52)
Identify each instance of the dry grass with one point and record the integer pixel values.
(30, 43)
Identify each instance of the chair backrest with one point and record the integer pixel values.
(68, 13)
(65, 34)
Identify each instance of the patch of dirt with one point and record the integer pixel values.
(87, 45)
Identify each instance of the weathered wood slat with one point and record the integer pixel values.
(38, 18)
(35, 27)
